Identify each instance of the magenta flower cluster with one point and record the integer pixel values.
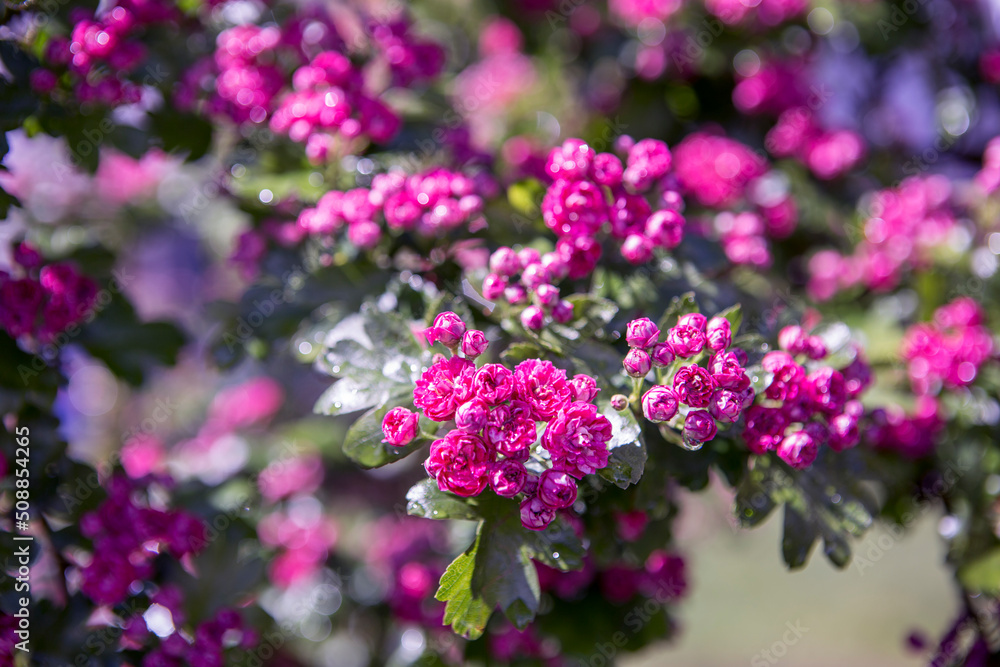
(591, 192)
(806, 404)
(525, 277)
(123, 533)
(302, 79)
(431, 204)
(45, 299)
(716, 393)
(496, 414)
(827, 154)
(949, 350)
(903, 227)
(100, 51)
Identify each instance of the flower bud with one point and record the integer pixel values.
(685, 340)
(718, 334)
(532, 318)
(547, 295)
(726, 405)
(699, 426)
(562, 312)
(536, 515)
(619, 402)
(399, 426)
(696, 320)
(659, 404)
(584, 388)
(637, 363)
(474, 343)
(494, 286)
(642, 333)
(798, 450)
(505, 262)
(663, 355)
(556, 489)
(448, 328)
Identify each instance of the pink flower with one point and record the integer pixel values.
(443, 387)
(571, 161)
(533, 318)
(642, 333)
(493, 383)
(562, 312)
(251, 402)
(793, 339)
(556, 489)
(508, 477)
(718, 334)
(665, 228)
(826, 391)
(788, 376)
(694, 385)
(662, 355)
(659, 404)
(460, 463)
(693, 320)
(581, 254)
(728, 371)
(637, 249)
(648, 161)
(400, 426)
(510, 429)
(577, 439)
(686, 341)
(447, 328)
(699, 426)
(474, 343)
(471, 415)
(542, 386)
(798, 450)
(583, 388)
(574, 208)
(844, 432)
(536, 515)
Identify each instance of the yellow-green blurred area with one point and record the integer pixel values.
(743, 601)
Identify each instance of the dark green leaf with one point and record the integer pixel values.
(518, 352)
(425, 499)
(735, 316)
(363, 442)
(797, 538)
(557, 546)
(504, 574)
(679, 305)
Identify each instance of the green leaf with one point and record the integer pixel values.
(363, 442)
(797, 538)
(504, 575)
(982, 575)
(518, 352)
(465, 612)
(735, 316)
(679, 305)
(351, 394)
(753, 499)
(425, 499)
(184, 133)
(557, 546)
(627, 451)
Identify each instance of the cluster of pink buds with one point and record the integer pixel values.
(592, 190)
(98, 44)
(526, 277)
(827, 154)
(45, 300)
(913, 435)
(127, 537)
(903, 227)
(496, 413)
(687, 393)
(949, 350)
(806, 404)
(327, 102)
(432, 204)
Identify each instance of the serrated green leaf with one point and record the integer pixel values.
(465, 612)
(518, 352)
(425, 499)
(504, 574)
(735, 316)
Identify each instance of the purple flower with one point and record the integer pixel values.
(508, 477)
(826, 390)
(694, 385)
(536, 515)
(788, 376)
(547, 295)
(659, 404)
(642, 333)
(556, 489)
(686, 341)
(662, 354)
(471, 416)
(699, 426)
(765, 428)
(399, 426)
(726, 405)
(562, 312)
(728, 371)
